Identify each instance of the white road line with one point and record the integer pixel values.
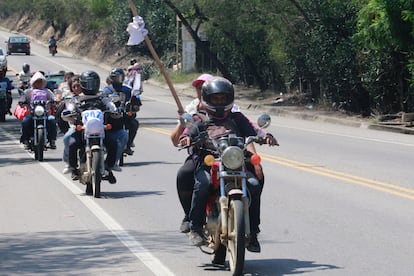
(111, 224)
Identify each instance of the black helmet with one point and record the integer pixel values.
(90, 82)
(26, 67)
(214, 86)
(117, 77)
(132, 61)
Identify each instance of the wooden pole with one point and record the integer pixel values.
(160, 65)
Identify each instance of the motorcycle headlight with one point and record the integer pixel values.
(39, 110)
(233, 157)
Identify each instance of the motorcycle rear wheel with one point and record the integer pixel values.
(96, 172)
(236, 243)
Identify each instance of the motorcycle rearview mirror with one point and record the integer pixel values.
(186, 120)
(264, 121)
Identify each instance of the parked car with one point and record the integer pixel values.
(18, 44)
(3, 60)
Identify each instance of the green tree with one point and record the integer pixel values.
(385, 37)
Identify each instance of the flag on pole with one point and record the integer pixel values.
(136, 31)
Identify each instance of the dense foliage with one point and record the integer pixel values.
(354, 55)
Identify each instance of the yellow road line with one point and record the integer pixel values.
(357, 180)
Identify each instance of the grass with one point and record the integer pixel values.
(178, 77)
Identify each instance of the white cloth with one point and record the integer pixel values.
(136, 31)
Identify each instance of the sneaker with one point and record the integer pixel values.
(129, 151)
(254, 245)
(185, 226)
(117, 168)
(110, 177)
(75, 174)
(197, 238)
(67, 169)
(9, 112)
(220, 256)
(52, 144)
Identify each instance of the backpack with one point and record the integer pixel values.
(39, 95)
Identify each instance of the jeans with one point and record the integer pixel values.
(27, 128)
(66, 141)
(185, 184)
(202, 190)
(132, 125)
(115, 142)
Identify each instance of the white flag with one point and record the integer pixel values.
(136, 31)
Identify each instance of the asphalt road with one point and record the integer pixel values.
(338, 200)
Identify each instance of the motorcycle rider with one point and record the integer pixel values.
(38, 91)
(218, 100)
(5, 85)
(52, 42)
(117, 77)
(89, 83)
(24, 78)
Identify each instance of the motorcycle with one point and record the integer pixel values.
(92, 164)
(130, 110)
(93, 170)
(37, 143)
(53, 49)
(23, 85)
(227, 224)
(3, 104)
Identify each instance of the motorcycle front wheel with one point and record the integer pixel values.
(236, 243)
(40, 147)
(96, 172)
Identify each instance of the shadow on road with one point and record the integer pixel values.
(125, 194)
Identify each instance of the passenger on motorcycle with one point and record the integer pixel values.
(6, 86)
(116, 78)
(185, 174)
(133, 72)
(67, 126)
(217, 99)
(24, 78)
(89, 83)
(38, 92)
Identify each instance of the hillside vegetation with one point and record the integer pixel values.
(353, 55)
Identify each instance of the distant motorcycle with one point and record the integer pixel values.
(53, 49)
(23, 85)
(5, 100)
(227, 224)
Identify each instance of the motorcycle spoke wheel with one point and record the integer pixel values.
(96, 172)
(236, 242)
